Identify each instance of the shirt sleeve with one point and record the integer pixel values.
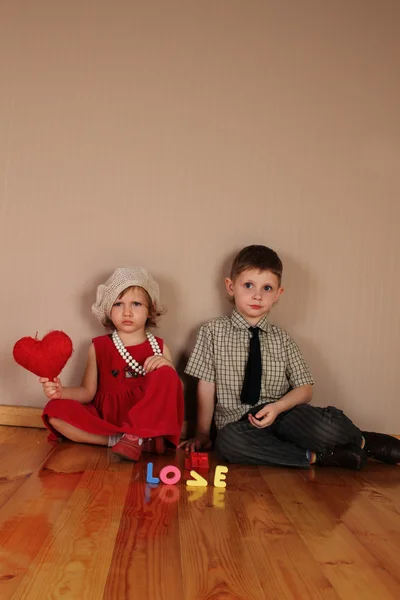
(297, 370)
(201, 362)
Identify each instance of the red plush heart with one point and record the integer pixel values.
(46, 357)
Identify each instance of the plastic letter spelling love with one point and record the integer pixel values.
(197, 481)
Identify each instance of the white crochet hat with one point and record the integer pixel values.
(121, 279)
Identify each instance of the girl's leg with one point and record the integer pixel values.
(160, 408)
(127, 446)
(77, 435)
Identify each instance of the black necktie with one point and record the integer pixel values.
(252, 378)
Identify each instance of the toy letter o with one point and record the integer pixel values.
(170, 480)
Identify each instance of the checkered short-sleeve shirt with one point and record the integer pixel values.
(220, 356)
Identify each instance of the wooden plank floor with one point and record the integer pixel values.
(78, 523)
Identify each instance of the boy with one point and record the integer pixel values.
(263, 386)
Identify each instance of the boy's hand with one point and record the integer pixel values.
(155, 362)
(52, 389)
(265, 417)
(200, 442)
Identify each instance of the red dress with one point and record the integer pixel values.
(147, 406)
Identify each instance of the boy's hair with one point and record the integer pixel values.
(257, 257)
(153, 313)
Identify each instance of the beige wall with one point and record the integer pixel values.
(170, 134)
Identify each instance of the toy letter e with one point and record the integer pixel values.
(219, 477)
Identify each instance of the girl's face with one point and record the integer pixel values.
(130, 312)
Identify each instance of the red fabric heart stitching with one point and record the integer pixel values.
(46, 357)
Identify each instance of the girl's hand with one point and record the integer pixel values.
(265, 417)
(52, 389)
(155, 362)
(200, 442)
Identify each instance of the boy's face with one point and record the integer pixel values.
(254, 292)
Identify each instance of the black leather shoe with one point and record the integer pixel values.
(382, 447)
(348, 456)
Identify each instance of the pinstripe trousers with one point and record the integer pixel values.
(287, 440)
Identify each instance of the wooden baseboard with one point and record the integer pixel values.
(21, 416)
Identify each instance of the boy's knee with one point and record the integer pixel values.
(341, 427)
(221, 442)
(335, 428)
(229, 442)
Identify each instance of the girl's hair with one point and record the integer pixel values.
(153, 313)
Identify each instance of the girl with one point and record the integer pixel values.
(130, 397)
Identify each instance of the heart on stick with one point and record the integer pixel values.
(46, 357)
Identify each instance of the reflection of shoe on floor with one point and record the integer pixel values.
(383, 447)
(154, 445)
(348, 456)
(129, 447)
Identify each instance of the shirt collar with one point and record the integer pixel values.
(241, 323)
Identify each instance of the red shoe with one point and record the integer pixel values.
(129, 447)
(154, 445)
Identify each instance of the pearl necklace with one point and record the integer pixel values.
(128, 358)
